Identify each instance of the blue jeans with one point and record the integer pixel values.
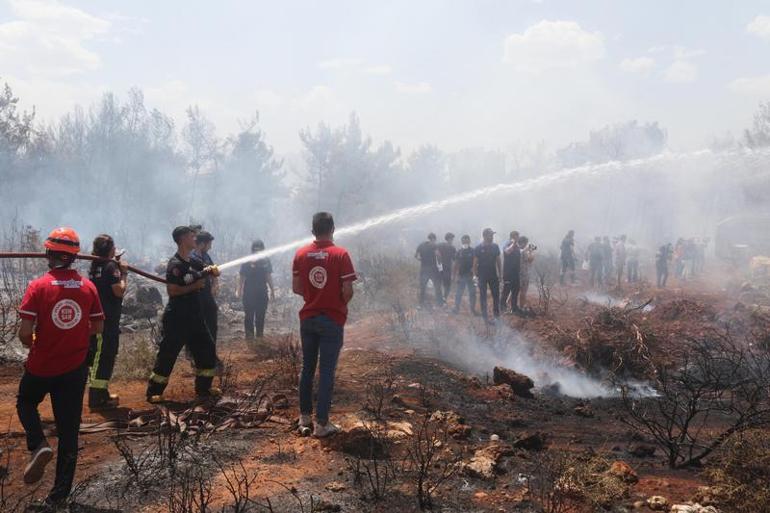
(321, 342)
(464, 282)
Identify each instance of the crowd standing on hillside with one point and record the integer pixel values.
(487, 272)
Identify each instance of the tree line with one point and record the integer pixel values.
(122, 167)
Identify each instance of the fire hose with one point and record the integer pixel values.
(134, 270)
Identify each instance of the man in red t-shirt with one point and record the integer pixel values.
(323, 275)
(59, 313)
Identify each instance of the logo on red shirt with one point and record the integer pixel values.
(318, 277)
(66, 314)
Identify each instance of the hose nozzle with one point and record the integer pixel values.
(213, 270)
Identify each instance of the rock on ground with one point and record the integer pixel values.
(657, 503)
(624, 472)
(520, 384)
(693, 508)
(531, 442)
(483, 463)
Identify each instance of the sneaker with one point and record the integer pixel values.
(34, 470)
(322, 431)
(305, 420)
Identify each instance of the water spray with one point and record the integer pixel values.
(590, 170)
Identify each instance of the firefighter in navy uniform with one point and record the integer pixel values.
(110, 280)
(183, 321)
(203, 242)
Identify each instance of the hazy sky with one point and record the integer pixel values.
(453, 73)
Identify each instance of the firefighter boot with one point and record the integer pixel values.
(101, 399)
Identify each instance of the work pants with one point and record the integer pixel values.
(179, 328)
(102, 354)
(493, 284)
(510, 289)
(211, 315)
(66, 392)
(596, 273)
(255, 308)
(430, 274)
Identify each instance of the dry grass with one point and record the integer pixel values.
(136, 356)
(741, 473)
(563, 481)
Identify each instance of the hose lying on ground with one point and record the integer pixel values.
(83, 257)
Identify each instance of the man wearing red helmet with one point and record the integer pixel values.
(59, 313)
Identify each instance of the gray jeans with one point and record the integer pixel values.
(321, 345)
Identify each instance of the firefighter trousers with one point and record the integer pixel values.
(254, 308)
(184, 328)
(102, 354)
(210, 315)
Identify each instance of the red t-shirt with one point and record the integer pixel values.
(61, 303)
(323, 267)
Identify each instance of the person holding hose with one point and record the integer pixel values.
(203, 243)
(110, 278)
(183, 322)
(323, 275)
(254, 279)
(59, 313)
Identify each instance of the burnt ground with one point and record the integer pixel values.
(390, 360)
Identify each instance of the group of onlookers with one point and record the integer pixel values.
(609, 261)
(477, 268)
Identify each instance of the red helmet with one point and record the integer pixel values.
(63, 240)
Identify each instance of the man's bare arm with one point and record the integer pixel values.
(97, 327)
(347, 291)
(296, 285)
(26, 330)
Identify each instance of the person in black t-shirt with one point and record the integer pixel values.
(463, 272)
(109, 277)
(487, 269)
(183, 322)
(253, 281)
(511, 268)
(595, 257)
(446, 251)
(203, 242)
(428, 255)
